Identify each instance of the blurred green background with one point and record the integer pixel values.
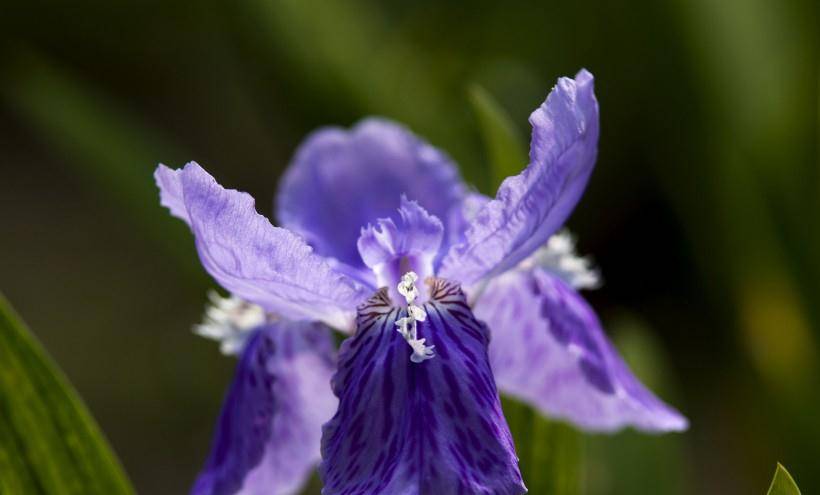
(702, 213)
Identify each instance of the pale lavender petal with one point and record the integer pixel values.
(260, 263)
(419, 234)
(340, 180)
(170, 192)
(407, 428)
(268, 434)
(391, 249)
(531, 206)
(548, 349)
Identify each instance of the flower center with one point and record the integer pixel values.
(408, 326)
(393, 248)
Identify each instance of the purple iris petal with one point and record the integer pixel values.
(342, 180)
(548, 348)
(267, 438)
(418, 428)
(391, 250)
(252, 259)
(420, 234)
(531, 206)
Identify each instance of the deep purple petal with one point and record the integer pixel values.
(267, 438)
(548, 349)
(252, 259)
(531, 206)
(407, 428)
(340, 180)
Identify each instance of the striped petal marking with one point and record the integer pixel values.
(418, 428)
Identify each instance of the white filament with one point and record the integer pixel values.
(558, 256)
(229, 321)
(407, 326)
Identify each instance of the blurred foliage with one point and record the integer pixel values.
(506, 152)
(102, 144)
(783, 483)
(49, 444)
(702, 213)
(664, 465)
(549, 452)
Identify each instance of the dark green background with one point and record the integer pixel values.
(702, 213)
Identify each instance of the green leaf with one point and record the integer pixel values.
(783, 483)
(49, 443)
(549, 452)
(505, 148)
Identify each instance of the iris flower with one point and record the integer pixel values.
(447, 297)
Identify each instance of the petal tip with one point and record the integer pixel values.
(675, 422)
(169, 183)
(584, 77)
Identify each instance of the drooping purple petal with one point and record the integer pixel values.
(252, 259)
(434, 427)
(548, 349)
(268, 434)
(531, 206)
(391, 250)
(340, 180)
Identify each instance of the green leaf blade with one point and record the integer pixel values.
(506, 152)
(49, 442)
(783, 483)
(549, 452)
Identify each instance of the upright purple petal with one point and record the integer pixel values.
(391, 249)
(531, 206)
(420, 234)
(407, 428)
(548, 349)
(268, 434)
(263, 264)
(170, 192)
(340, 180)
